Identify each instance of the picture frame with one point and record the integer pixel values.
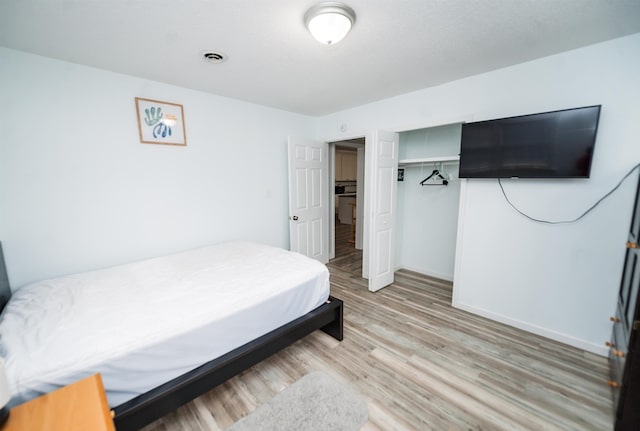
(160, 122)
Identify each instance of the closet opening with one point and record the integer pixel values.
(428, 200)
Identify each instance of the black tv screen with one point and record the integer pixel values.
(557, 144)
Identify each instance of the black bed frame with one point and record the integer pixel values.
(167, 397)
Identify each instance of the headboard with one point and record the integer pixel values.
(5, 290)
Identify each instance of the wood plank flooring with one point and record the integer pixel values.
(422, 365)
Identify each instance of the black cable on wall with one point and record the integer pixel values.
(581, 215)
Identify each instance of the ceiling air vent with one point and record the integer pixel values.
(214, 57)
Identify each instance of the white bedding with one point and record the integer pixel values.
(144, 323)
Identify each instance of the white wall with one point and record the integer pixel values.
(559, 281)
(78, 191)
(427, 216)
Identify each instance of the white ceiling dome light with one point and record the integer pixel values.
(329, 22)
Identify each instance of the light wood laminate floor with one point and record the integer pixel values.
(422, 365)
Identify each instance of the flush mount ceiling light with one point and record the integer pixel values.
(329, 22)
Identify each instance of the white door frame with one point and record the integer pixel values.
(360, 191)
(364, 201)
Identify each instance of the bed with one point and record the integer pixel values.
(162, 331)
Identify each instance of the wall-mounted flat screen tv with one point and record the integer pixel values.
(557, 144)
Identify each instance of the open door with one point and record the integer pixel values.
(380, 230)
(309, 198)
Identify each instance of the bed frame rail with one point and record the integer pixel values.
(167, 397)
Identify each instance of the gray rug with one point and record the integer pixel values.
(316, 402)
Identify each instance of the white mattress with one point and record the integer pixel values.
(144, 323)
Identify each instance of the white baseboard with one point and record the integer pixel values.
(598, 349)
(429, 273)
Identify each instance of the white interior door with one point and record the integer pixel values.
(332, 202)
(381, 183)
(309, 198)
(360, 198)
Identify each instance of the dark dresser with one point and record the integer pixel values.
(624, 352)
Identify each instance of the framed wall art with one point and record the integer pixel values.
(160, 122)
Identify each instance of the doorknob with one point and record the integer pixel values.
(294, 218)
(632, 244)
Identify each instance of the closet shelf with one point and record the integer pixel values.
(438, 159)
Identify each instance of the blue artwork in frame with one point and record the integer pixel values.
(160, 122)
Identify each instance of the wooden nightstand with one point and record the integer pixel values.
(80, 406)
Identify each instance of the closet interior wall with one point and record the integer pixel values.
(427, 216)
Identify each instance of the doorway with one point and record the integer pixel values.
(347, 199)
(311, 219)
(376, 202)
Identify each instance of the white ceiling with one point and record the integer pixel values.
(396, 46)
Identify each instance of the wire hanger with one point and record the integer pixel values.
(435, 175)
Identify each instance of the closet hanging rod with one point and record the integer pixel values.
(425, 160)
